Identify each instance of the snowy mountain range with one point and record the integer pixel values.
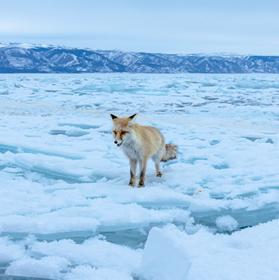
(23, 58)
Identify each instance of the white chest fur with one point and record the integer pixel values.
(132, 148)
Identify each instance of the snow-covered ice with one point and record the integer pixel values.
(66, 211)
(247, 254)
(226, 223)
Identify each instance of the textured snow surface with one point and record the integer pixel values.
(66, 211)
(226, 223)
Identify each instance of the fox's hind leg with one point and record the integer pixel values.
(157, 159)
(158, 171)
(133, 170)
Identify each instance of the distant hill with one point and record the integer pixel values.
(22, 58)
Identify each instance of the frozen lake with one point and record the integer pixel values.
(66, 211)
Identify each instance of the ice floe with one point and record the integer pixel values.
(66, 211)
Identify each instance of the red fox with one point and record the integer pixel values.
(139, 143)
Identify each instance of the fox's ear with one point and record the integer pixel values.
(131, 117)
(113, 116)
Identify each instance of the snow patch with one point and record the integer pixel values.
(47, 267)
(226, 223)
(83, 272)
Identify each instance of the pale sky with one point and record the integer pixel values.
(168, 26)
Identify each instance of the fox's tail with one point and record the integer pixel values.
(170, 152)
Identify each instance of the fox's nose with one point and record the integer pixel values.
(115, 142)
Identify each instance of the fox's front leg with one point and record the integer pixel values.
(143, 164)
(133, 170)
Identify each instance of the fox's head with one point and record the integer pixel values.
(121, 129)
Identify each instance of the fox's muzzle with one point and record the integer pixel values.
(118, 144)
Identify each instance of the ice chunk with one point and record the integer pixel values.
(9, 251)
(93, 251)
(247, 254)
(164, 256)
(226, 223)
(47, 267)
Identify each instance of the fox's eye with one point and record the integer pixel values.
(123, 132)
(114, 132)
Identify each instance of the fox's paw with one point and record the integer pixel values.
(131, 184)
(141, 184)
(159, 174)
